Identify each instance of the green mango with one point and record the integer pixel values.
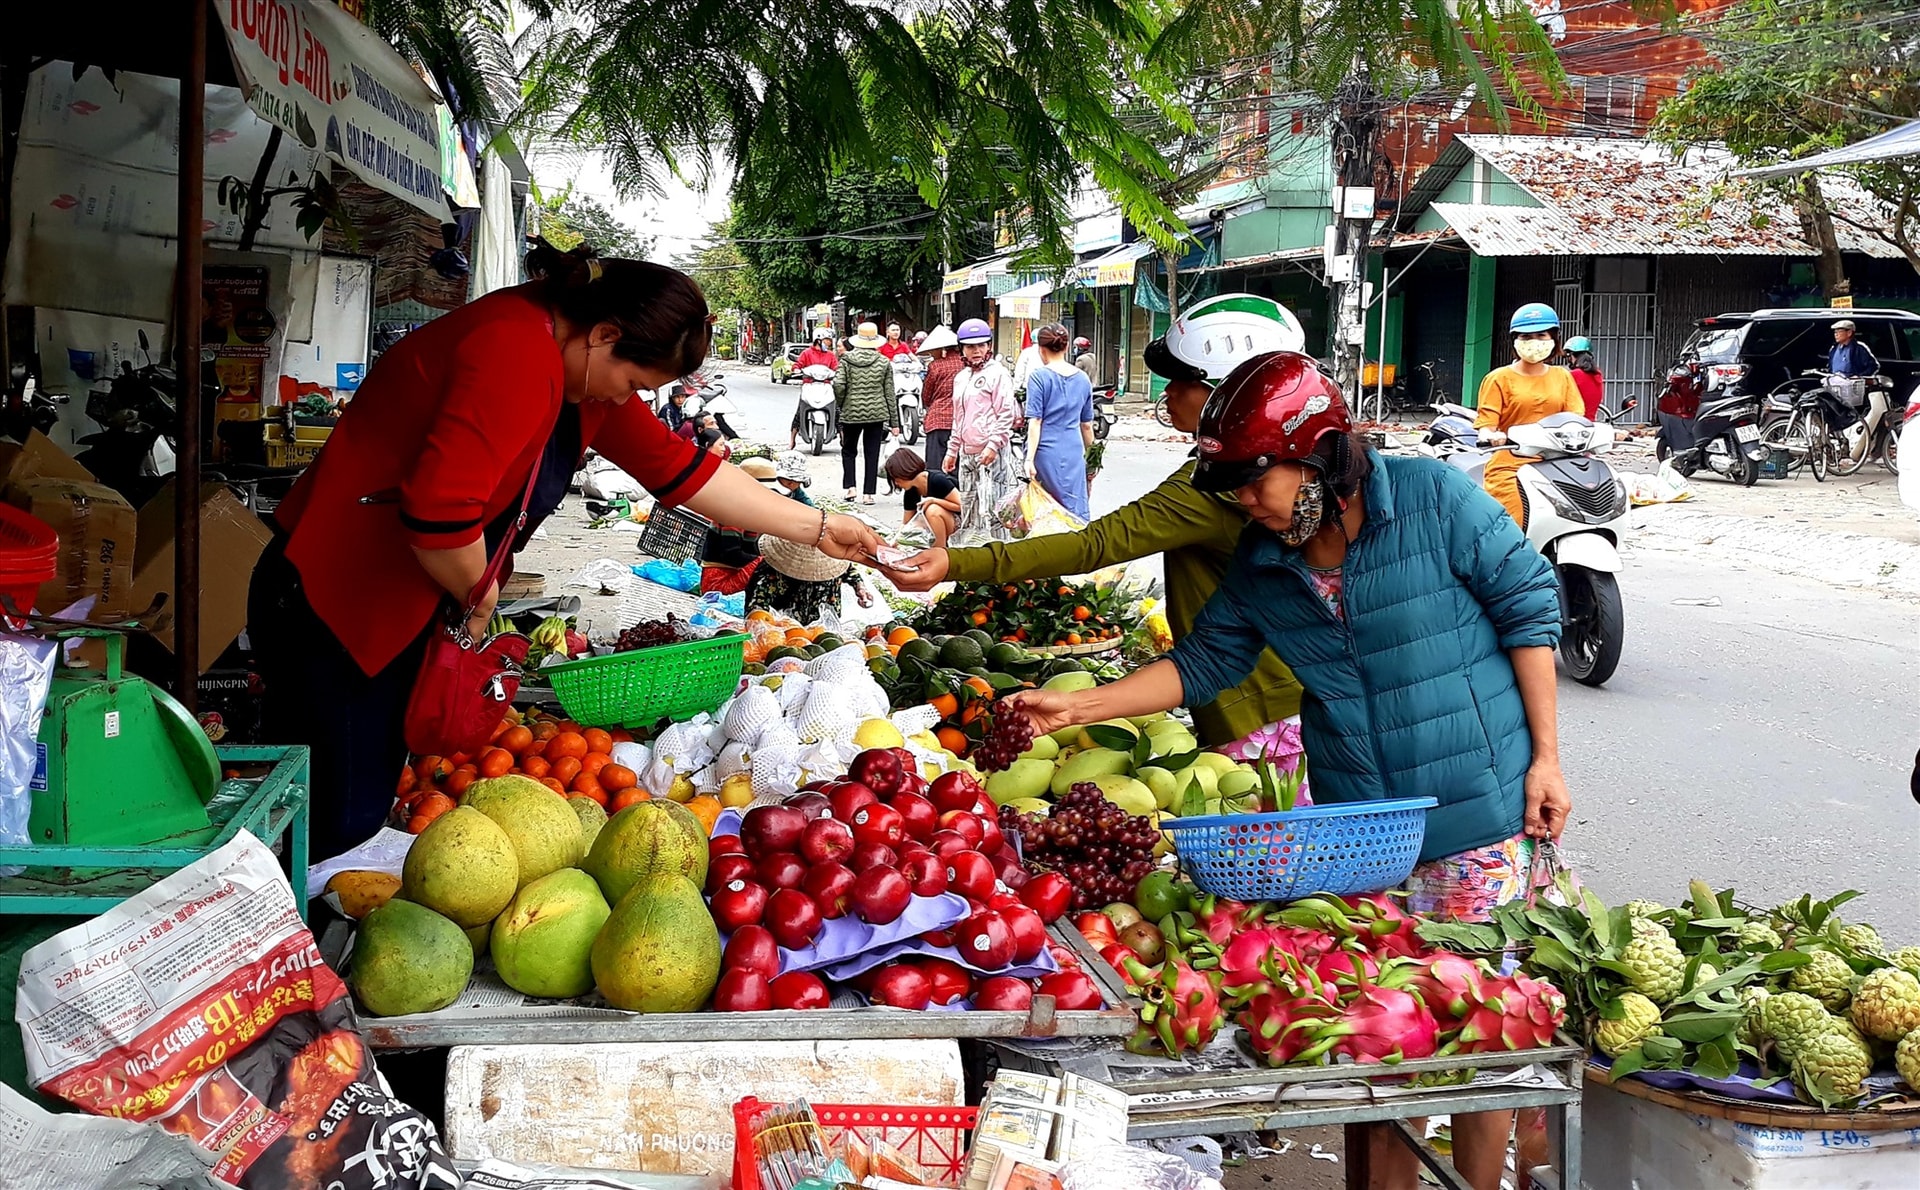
(1087, 741)
(1221, 765)
(1023, 779)
(1077, 679)
(1163, 784)
(1090, 764)
(1125, 792)
(1159, 894)
(1043, 748)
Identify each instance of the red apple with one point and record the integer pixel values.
(937, 937)
(983, 807)
(950, 980)
(871, 855)
(1007, 871)
(1071, 990)
(996, 993)
(946, 844)
(878, 769)
(926, 874)
(901, 986)
(782, 869)
(964, 823)
(992, 839)
(1029, 933)
(1049, 894)
(970, 874)
(729, 868)
(880, 895)
(954, 790)
(878, 824)
(917, 815)
(985, 939)
(1063, 955)
(741, 990)
(1015, 877)
(829, 885)
(908, 761)
(721, 845)
(826, 841)
(738, 903)
(793, 918)
(752, 948)
(824, 785)
(849, 796)
(800, 989)
(767, 829)
(1117, 955)
(811, 804)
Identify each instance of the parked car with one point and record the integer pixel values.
(1757, 352)
(782, 366)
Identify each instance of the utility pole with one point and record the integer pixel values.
(1356, 126)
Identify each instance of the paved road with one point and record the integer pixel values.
(1763, 743)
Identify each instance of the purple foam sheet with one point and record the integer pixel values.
(846, 938)
(1744, 1085)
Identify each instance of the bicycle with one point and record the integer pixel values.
(1806, 436)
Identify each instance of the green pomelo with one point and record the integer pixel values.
(659, 950)
(543, 943)
(544, 830)
(592, 817)
(647, 838)
(407, 958)
(462, 866)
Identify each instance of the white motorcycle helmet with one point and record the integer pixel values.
(1215, 336)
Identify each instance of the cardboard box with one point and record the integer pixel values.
(38, 457)
(231, 541)
(97, 541)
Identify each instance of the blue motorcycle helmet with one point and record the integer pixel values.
(1533, 318)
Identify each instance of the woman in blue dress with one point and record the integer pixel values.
(1059, 423)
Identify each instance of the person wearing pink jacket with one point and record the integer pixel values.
(983, 415)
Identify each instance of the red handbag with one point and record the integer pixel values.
(465, 685)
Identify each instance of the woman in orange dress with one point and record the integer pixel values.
(1521, 393)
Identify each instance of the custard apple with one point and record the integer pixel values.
(1706, 974)
(1906, 1060)
(1886, 1005)
(1863, 938)
(1827, 979)
(1655, 966)
(1831, 1066)
(1641, 1021)
(1752, 1032)
(1907, 958)
(1757, 935)
(1640, 909)
(1790, 1020)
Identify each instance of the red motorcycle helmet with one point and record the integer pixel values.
(1272, 409)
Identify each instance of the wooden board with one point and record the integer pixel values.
(667, 1107)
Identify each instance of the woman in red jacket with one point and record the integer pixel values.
(424, 475)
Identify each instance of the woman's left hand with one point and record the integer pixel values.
(1548, 802)
(850, 538)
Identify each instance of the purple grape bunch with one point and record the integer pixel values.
(1100, 848)
(1009, 734)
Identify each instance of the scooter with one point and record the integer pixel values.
(907, 377)
(28, 407)
(1875, 432)
(1576, 507)
(820, 410)
(138, 415)
(1104, 414)
(1709, 426)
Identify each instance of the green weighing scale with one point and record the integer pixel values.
(120, 762)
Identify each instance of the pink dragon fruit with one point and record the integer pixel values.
(1375, 921)
(1346, 966)
(1447, 984)
(1272, 1020)
(1377, 1024)
(1219, 918)
(1244, 962)
(1513, 1012)
(1179, 1010)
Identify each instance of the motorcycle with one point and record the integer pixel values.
(1710, 426)
(28, 407)
(138, 415)
(1876, 432)
(1576, 507)
(907, 377)
(821, 413)
(1104, 414)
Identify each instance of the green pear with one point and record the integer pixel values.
(1205, 778)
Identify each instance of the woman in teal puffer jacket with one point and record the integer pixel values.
(1419, 622)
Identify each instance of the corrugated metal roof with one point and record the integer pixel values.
(1627, 197)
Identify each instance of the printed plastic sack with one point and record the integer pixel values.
(26, 674)
(201, 1005)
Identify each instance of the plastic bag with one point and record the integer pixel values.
(676, 576)
(1667, 487)
(1043, 514)
(26, 674)
(201, 1005)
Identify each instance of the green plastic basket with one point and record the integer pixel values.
(641, 687)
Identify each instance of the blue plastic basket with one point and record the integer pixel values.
(1360, 847)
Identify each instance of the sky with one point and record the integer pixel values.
(675, 219)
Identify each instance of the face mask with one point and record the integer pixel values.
(1309, 509)
(1533, 350)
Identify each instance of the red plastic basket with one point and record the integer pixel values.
(29, 555)
(936, 1137)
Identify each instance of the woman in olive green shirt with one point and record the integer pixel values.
(1196, 531)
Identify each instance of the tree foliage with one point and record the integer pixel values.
(857, 234)
(567, 219)
(1793, 77)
